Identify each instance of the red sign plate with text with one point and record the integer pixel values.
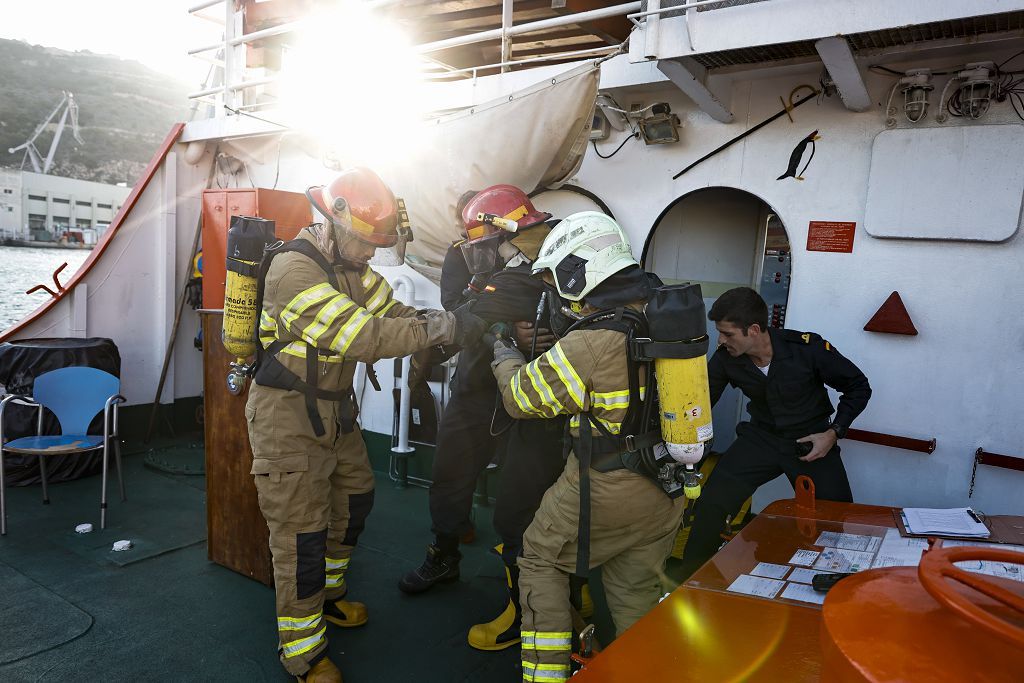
(831, 236)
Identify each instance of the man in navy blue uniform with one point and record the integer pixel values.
(791, 430)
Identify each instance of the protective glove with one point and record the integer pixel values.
(468, 327)
(504, 350)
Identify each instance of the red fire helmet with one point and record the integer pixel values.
(506, 201)
(359, 201)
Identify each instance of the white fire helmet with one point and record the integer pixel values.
(582, 251)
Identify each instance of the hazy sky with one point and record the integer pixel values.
(157, 33)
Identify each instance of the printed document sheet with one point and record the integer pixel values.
(756, 585)
(944, 522)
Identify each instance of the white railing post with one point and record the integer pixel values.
(228, 94)
(652, 24)
(506, 40)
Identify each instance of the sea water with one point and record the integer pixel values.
(22, 268)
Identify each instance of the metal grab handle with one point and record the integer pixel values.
(891, 440)
(56, 282)
(938, 564)
(59, 287)
(995, 460)
(45, 289)
(981, 457)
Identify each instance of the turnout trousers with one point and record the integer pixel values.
(315, 494)
(633, 525)
(533, 462)
(464, 444)
(756, 457)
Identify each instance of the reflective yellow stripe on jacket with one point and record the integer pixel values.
(319, 311)
(379, 299)
(544, 387)
(551, 385)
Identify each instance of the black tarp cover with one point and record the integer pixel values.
(20, 363)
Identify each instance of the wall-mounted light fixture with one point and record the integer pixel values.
(915, 86)
(976, 87)
(615, 114)
(660, 127)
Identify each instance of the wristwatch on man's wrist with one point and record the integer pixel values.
(839, 430)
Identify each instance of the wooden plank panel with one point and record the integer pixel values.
(218, 207)
(237, 534)
(290, 211)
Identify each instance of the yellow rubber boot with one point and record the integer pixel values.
(323, 671)
(499, 634)
(346, 614)
(586, 609)
(579, 596)
(502, 632)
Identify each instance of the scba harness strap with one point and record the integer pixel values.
(608, 452)
(271, 372)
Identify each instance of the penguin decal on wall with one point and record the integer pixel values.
(797, 155)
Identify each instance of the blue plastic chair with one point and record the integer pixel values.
(75, 395)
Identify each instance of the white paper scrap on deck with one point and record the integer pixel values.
(804, 557)
(803, 593)
(803, 575)
(756, 585)
(769, 570)
(842, 560)
(834, 539)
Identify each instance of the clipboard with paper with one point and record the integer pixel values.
(1003, 529)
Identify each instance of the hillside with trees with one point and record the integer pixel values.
(125, 110)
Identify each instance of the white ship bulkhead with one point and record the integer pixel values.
(962, 278)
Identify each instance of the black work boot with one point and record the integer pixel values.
(437, 567)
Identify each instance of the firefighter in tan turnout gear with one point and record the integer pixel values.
(324, 310)
(628, 525)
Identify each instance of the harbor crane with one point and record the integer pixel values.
(70, 107)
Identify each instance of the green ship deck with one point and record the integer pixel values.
(71, 609)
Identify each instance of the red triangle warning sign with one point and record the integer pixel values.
(892, 317)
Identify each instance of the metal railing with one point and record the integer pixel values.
(233, 83)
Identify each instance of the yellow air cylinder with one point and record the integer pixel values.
(679, 347)
(685, 410)
(247, 238)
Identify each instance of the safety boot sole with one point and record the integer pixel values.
(346, 623)
(497, 647)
